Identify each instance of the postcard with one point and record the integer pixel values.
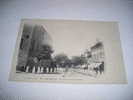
(68, 51)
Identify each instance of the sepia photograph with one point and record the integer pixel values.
(68, 51)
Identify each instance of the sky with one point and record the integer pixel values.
(73, 37)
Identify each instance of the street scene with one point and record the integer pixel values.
(37, 56)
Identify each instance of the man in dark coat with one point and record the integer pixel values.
(101, 67)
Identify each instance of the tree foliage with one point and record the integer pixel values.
(45, 52)
(78, 60)
(62, 60)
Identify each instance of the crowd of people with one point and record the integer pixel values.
(34, 65)
(99, 68)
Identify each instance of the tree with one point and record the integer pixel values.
(45, 52)
(78, 60)
(62, 60)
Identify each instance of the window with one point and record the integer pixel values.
(21, 44)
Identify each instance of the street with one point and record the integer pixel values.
(70, 72)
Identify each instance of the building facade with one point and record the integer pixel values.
(31, 43)
(97, 52)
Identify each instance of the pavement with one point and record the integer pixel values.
(71, 72)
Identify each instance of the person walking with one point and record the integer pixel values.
(35, 64)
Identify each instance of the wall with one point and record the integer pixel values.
(11, 11)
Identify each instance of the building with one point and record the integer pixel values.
(32, 40)
(97, 52)
(24, 45)
(87, 55)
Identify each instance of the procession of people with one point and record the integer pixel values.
(34, 65)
